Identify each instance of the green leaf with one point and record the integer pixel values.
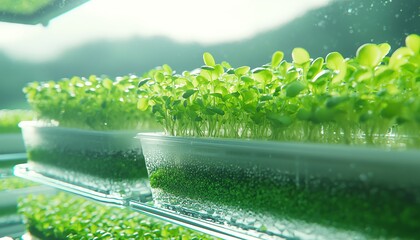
(230, 71)
(247, 80)
(258, 69)
(218, 95)
(400, 57)
(159, 77)
(322, 77)
(334, 61)
(300, 56)
(142, 82)
(412, 41)
(292, 75)
(242, 70)
(249, 95)
(208, 59)
(323, 114)
(276, 58)
(226, 65)
(266, 97)
(219, 69)
(391, 110)
(280, 120)
(202, 80)
(385, 48)
(206, 67)
(143, 104)
(369, 55)
(334, 101)
(189, 93)
(303, 114)
(216, 110)
(316, 66)
(263, 76)
(107, 83)
(294, 88)
(384, 75)
(167, 69)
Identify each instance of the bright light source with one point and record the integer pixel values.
(204, 22)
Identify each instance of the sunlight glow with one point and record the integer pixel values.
(204, 22)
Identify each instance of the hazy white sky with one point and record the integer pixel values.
(205, 22)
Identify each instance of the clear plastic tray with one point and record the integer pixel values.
(146, 207)
(288, 189)
(110, 162)
(10, 221)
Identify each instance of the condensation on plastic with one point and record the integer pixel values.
(302, 164)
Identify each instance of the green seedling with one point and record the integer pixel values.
(313, 95)
(63, 216)
(9, 120)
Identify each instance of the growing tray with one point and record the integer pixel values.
(110, 162)
(146, 207)
(9, 216)
(288, 189)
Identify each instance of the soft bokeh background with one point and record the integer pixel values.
(130, 36)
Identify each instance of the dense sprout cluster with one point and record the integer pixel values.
(90, 103)
(12, 183)
(9, 120)
(65, 217)
(332, 99)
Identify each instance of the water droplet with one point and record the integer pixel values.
(363, 177)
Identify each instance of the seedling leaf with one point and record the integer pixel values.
(208, 59)
(300, 56)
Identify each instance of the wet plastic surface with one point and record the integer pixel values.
(328, 191)
(110, 162)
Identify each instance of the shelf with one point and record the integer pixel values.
(217, 230)
(7, 161)
(23, 171)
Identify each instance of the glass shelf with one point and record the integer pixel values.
(7, 161)
(215, 229)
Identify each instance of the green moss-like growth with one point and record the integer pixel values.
(377, 211)
(12, 183)
(67, 217)
(90, 103)
(6, 186)
(115, 165)
(9, 120)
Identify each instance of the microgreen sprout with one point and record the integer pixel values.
(62, 216)
(98, 103)
(367, 99)
(9, 120)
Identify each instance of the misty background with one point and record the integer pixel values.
(340, 25)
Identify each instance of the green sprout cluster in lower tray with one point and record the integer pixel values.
(7, 185)
(12, 183)
(375, 211)
(9, 120)
(67, 217)
(114, 165)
